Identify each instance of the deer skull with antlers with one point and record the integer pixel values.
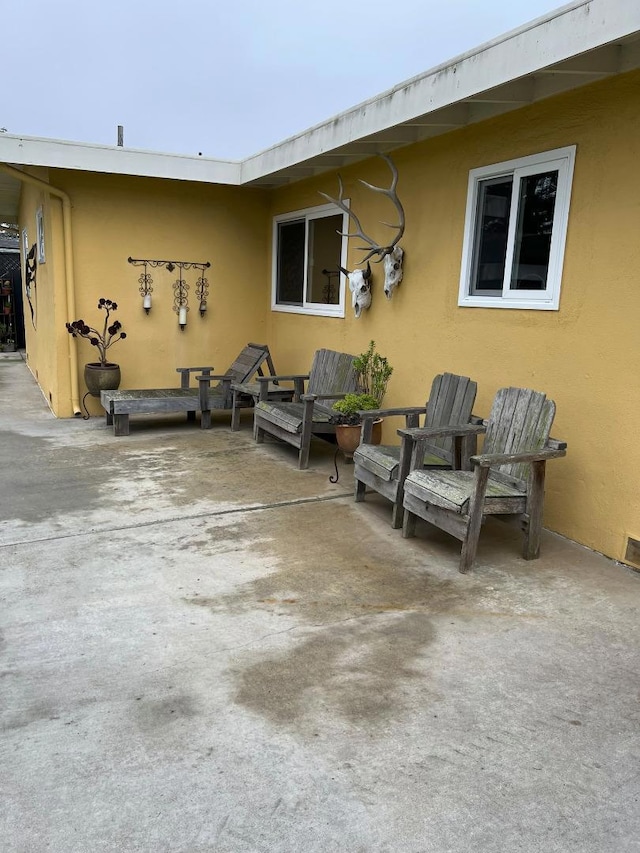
(392, 254)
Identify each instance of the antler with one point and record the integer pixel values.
(359, 233)
(391, 193)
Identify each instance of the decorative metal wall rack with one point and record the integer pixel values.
(180, 286)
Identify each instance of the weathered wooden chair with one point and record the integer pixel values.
(384, 467)
(332, 375)
(120, 404)
(507, 479)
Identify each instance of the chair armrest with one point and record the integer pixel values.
(281, 376)
(333, 396)
(486, 460)
(218, 377)
(433, 432)
(185, 373)
(383, 413)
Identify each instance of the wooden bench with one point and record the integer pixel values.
(118, 405)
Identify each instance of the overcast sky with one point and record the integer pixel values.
(225, 79)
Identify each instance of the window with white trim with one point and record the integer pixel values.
(307, 254)
(515, 232)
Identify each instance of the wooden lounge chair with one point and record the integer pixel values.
(507, 479)
(332, 375)
(120, 404)
(384, 467)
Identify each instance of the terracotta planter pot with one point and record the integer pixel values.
(348, 437)
(101, 377)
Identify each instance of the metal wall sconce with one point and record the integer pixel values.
(202, 291)
(181, 301)
(180, 286)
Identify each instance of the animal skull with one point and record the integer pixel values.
(360, 287)
(392, 270)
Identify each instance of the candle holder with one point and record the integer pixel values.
(180, 286)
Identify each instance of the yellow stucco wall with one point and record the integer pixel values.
(44, 330)
(585, 356)
(114, 217)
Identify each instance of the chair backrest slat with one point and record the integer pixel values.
(520, 421)
(332, 371)
(248, 362)
(450, 402)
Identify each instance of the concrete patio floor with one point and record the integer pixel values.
(205, 649)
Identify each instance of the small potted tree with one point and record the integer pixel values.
(102, 375)
(374, 372)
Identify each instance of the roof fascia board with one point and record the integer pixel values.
(569, 31)
(59, 154)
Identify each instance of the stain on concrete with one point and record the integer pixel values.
(152, 714)
(222, 539)
(360, 620)
(66, 472)
(358, 669)
(38, 712)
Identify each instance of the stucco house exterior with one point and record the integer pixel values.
(519, 175)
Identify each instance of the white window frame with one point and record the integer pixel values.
(563, 160)
(313, 308)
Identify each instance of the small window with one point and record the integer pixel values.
(515, 231)
(308, 251)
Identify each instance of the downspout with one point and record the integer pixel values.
(68, 263)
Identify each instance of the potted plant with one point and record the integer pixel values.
(102, 375)
(374, 372)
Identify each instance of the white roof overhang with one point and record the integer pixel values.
(575, 45)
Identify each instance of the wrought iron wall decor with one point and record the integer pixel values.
(180, 286)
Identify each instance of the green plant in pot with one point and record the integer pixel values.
(374, 372)
(102, 375)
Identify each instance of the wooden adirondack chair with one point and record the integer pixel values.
(507, 480)
(332, 375)
(120, 404)
(385, 467)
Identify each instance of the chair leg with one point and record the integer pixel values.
(409, 524)
(305, 435)
(397, 514)
(531, 549)
(121, 424)
(472, 535)
(359, 491)
(235, 414)
(303, 456)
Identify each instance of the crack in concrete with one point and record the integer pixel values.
(187, 517)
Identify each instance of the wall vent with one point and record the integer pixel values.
(632, 554)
